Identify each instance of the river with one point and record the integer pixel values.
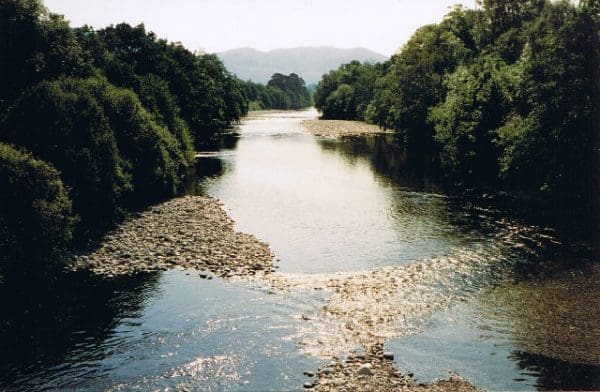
(501, 301)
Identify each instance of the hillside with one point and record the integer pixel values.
(308, 62)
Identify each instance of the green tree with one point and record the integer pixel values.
(208, 96)
(34, 45)
(154, 157)
(346, 92)
(547, 139)
(415, 82)
(466, 121)
(69, 129)
(36, 221)
(288, 92)
(109, 149)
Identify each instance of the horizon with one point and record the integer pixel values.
(211, 26)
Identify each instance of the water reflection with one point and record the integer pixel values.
(557, 317)
(387, 159)
(47, 325)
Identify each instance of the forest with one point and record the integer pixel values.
(281, 92)
(95, 124)
(502, 97)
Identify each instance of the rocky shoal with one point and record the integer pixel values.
(189, 232)
(338, 128)
(374, 370)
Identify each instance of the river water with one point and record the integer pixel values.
(521, 308)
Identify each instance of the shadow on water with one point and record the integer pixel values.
(205, 167)
(46, 324)
(479, 208)
(388, 159)
(555, 374)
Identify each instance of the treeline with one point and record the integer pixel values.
(281, 92)
(504, 96)
(94, 124)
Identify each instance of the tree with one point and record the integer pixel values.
(547, 139)
(108, 148)
(207, 95)
(69, 129)
(346, 92)
(34, 45)
(466, 121)
(288, 92)
(36, 220)
(415, 82)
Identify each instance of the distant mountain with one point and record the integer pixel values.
(310, 63)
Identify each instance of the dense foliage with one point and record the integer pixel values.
(36, 220)
(503, 96)
(112, 114)
(209, 97)
(281, 92)
(346, 92)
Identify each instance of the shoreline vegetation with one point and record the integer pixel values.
(282, 92)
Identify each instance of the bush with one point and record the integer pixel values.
(36, 221)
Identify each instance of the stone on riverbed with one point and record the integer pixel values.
(365, 370)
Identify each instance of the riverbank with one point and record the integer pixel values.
(187, 232)
(338, 128)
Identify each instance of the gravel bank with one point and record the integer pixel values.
(375, 371)
(338, 128)
(189, 232)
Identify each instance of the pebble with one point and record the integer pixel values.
(365, 370)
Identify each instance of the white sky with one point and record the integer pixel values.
(218, 25)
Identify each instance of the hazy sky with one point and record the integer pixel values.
(217, 25)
